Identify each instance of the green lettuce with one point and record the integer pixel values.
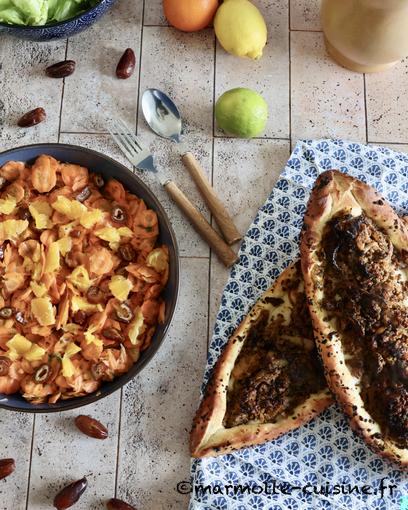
(41, 12)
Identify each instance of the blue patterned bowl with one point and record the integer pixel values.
(61, 29)
(107, 167)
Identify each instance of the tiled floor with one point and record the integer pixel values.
(309, 96)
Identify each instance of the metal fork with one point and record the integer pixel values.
(142, 159)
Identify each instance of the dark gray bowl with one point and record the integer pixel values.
(59, 29)
(108, 167)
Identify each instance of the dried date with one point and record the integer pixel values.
(126, 65)
(61, 69)
(70, 494)
(32, 118)
(7, 466)
(118, 504)
(5, 364)
(91, 427)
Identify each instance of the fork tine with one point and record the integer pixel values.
(123, 133)
(118, 133)
(130, 156)
(131, 137)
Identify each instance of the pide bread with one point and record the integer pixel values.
(354, 254)
(268, 380)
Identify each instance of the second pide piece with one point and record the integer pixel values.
(268, 379)
(354, 253)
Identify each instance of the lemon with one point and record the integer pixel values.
(241, 112)
(240, 28)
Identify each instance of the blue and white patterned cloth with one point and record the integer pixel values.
(324, 451)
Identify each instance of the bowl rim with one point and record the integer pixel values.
(122, 380)
(51, 25)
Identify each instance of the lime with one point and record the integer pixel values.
(241, 112)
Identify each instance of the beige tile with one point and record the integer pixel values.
(159, 404)
(269, 76)
(327, 100)
(387, 104)
(245, 173)
(94, 92)
(305, 15)
(24, 86)
(181, 65)
(154, 13)
(62, 454)
(15, 431)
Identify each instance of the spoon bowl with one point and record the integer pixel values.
(162, 114)
(164, 119)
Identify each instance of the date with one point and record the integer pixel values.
(91, 427)
(32, 118)
(7, 466)
(70, 494)
(118, 504)
(5, 364)
(61, 69)
(126, 65)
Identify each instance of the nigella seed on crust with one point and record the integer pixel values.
(258, 365)
(369, 246)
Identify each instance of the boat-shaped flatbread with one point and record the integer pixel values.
(268, 380)
(354, 252)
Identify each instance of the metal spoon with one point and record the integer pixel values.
(164, 119)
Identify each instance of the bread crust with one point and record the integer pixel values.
(332, 193)
(208, 436)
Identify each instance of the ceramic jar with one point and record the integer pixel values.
(366, 35)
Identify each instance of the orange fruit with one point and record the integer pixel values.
(190, 15)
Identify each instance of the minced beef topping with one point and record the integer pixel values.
(277, 368)
(364, 293)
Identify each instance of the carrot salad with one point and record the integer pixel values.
(81, 279)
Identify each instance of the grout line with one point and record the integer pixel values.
(365, 106)
(212, 184)
(136, 122)
(62, 96)
(140, 67)
(118, 443)
(305, 30)
(157, 26)
(105, 133)
(208, 302)
(254, 138)
(94, 133)
(290, 80)
(30, 462)
(213, 115)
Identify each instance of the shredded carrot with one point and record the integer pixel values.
(65, 269)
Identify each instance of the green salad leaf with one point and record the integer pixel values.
(41, 12)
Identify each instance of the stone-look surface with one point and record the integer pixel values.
(147, 454)
(62, 454)
(253, 166)
(154, 13)
(16, 433)
(387, 104)
(94, 93)
(327, 100)
(305, 15)
(188, 80)
(24, 86)
(159, 405)
(269, 76)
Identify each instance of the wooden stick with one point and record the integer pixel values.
(224, 252)
(220, 213)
